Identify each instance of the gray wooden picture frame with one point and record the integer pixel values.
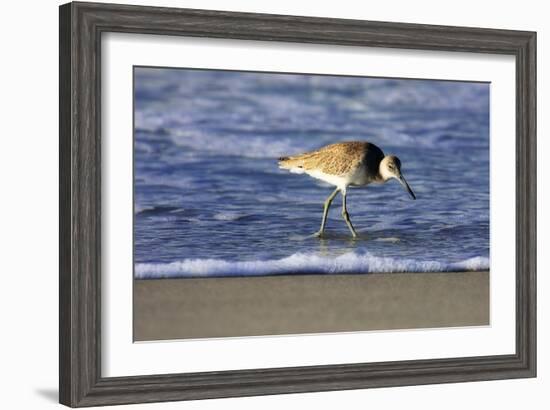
(81, 26)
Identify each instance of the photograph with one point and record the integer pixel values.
(241, 177)
(279, 201)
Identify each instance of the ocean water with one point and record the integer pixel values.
(209, 199)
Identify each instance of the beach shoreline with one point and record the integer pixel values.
(190, 308)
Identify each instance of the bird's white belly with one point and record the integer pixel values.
(358, 177)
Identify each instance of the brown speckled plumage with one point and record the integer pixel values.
(340, 159)
(352, 163)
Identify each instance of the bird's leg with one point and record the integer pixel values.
(325, 212)
(345, 215)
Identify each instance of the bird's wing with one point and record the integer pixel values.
(335, 159)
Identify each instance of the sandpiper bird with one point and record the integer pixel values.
(346, 164)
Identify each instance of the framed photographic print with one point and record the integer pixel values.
(259, 204)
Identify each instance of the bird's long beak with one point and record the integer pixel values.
(403, 182)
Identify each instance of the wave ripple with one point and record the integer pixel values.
(303, 264)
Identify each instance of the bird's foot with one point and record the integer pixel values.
(318, 234)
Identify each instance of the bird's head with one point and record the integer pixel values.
(389, 168)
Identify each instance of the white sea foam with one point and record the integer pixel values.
(229, 216)
(390, 239)
(235, 144)
(302, 263)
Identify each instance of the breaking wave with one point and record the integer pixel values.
(303, 264)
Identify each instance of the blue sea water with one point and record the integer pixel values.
(211, 201)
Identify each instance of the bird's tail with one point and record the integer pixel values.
(293, 164)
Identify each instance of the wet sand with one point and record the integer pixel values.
(298, 304)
